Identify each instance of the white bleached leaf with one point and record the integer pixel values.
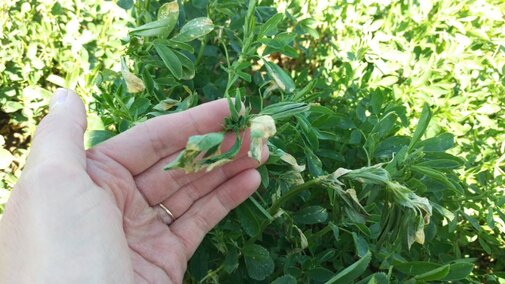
(262, 127)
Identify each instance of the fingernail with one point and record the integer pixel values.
(59, 97)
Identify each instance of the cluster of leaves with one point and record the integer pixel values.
(46, 44)
(451, 55)
(359, 185)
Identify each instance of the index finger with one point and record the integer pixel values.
(143, 145)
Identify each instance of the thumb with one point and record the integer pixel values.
(59, 138)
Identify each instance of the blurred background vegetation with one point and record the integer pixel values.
(46, 45)
(450, 54)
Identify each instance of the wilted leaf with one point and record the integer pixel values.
(292, 161)
(133, 83)
(281, 78)
(262, 127)
(166, 104)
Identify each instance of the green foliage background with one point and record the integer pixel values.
(366, 69)
(45, 45)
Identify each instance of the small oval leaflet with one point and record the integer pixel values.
(258, 261)
(170, 13)
(194, 29)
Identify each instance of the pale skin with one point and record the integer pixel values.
(91, 216)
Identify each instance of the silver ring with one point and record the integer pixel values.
(167, 217)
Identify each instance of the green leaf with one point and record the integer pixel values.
(307, 26)
(148, 81)
(279, 41)
(281, 78)
(204, 142)
(444, 212)
(459, 271)
(94, 137)
(308, 132)
(171, 60)
(320, 274)
(170, 12)
(360, 244)
(353, 271)
(379, 278)
(270, 26)
(440, 164)
(286, 279)
(125, 4)
(154, 28)
(335, 230)
(422, 124)
(258, 262)
(249, 218)
(314, 163)
(284, 109)
(194, 29)
(390, 146)
(180, 45)
(416, 267)
(230, 262)
(199, 263)
(435, 274)
(188, 67)
(436, 175)
(311, 215)
(439, 143)
(376, 278)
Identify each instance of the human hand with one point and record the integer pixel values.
(92, 216)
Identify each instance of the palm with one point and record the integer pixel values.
(130, 167)
(92, 216)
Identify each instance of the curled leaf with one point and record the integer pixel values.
(280, 77)
(133, 83)
(262, 127)
(166, 104)
(419, 235)
(292, 161)
(198, 145)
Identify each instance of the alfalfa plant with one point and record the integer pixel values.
(345, 194)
